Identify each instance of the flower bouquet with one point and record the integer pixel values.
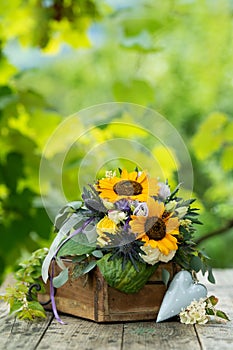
(126, 226)
(115, 252)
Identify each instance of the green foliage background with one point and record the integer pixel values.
(60, 56)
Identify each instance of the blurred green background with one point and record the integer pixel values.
(60, 56)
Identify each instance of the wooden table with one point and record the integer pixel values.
(81, 334)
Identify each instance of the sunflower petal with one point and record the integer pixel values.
(153, 187)
(142, 177)
(153, 243)
(172, 226)
(162, 247)
(170, 243)
(124, 174)
(137, 224)
(133, 176)
(155, 208)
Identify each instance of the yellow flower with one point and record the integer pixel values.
(158, 228)
(128, 185)
(105, 225)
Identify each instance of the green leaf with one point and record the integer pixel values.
(203, 269)
(213, 300)
(210, 275)
(61, 279)
(210, 312)
(35, 305)
(66, 212)
(165, 276)
(78, 270)
(196, 263)
(72, 247)
(79, 258)
(89, 267)
(97, 253)
(16, 306)
(222, 314)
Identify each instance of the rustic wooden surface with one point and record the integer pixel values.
(86, 335)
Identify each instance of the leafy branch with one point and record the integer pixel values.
(23, 305)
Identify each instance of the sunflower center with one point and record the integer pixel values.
(155, 228)
(127, 188)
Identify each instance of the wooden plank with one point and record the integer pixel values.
(219, 335)
(151, 335)
(215, 337)
(81, 335)
(15, 334)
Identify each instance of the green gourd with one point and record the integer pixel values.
(127, 280)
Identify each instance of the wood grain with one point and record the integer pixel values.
(82, 335)
(15, 334)
(219, 335)
(87, 335)
(151, 335)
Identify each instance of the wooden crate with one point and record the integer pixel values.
(92, 298)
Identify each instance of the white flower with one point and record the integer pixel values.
(117, 216)
(194, 313)
(141, 210)
(164, 190)
(107, 204)
(170, 206)
(181, 211)
(154, 255)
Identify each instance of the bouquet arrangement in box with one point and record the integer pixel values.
(127, 224)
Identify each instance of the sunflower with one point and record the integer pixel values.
(158, 228)
(128, 185)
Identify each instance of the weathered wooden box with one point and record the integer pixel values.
(92, 298)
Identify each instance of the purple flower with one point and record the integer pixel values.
(123, 204)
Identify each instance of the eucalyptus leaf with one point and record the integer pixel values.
(60, 263)
(203, 269)
(196, 263)
(92, 264)
(165, 276)
(211, 276)
(83, 239)
(78, 270)
(61, 279)
(75, 205)
(79, 258)
(97, 253)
